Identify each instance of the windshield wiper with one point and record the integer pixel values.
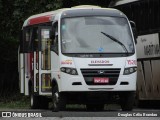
(115, 40)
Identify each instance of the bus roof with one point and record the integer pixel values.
(47, 16)
(41, 18)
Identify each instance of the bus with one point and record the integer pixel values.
(146, 14)
(79, 55)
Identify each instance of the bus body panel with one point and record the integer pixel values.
(67, 80)
(27, 72)
(21, 73)
(67, 84)
(148, 73)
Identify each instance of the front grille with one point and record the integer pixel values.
(111, 73)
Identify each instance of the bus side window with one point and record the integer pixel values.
(26, 41)
(35, 39)
(54, 46)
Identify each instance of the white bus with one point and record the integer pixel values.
(83, 55)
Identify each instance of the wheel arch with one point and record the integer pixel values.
(54, 83)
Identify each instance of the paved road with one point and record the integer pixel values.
(113, 113)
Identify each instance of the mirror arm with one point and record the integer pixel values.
(52, 32)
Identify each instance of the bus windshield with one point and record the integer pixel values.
(96, 34)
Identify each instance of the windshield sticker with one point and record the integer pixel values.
(63, 27)
(100, 49)
(66, 62)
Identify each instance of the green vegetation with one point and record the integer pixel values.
(16, 101)
(12, 15)
(76, 106)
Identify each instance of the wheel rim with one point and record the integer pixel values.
(55, 100)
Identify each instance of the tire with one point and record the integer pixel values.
(127, 101)
(95, 107)
(34, 100)
(37, 102)
(58, 99)
(140, 103)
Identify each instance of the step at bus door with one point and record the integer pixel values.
(44, 59)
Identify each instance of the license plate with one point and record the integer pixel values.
(101, 80)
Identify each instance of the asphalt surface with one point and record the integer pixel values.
(112, 113)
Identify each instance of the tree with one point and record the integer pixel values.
(12, 15)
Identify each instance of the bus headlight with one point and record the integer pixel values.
(71, 71)
(129, 70)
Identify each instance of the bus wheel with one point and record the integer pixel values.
(58, 99)
(127, 101)
(34, 100)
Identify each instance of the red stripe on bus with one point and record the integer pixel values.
(38, 20)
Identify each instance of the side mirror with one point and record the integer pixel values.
(54, 48)
(134, 29)
(51, 34)
(54, 37)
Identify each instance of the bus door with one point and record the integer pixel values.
(42, 62)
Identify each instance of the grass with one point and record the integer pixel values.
(15, 101)
(75, 106)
